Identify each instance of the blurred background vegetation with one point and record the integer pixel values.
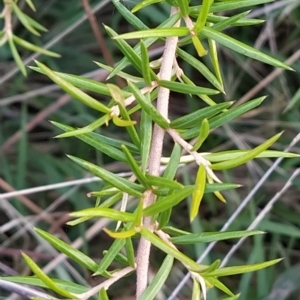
(30, 157)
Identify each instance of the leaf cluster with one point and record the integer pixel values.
(200, 26)
(10, 10)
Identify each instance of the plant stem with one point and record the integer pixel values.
(143, 252)
(106, 284)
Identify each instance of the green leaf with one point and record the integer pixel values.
(129, 16)
(213, 54)
(204, 132)
(87, 129)
(33, 47)
(169, 173)
(175, 231)
(184, 7)
(146, 71)
(130, 252)
(46, 279)
(121, 74)
(159, 279)
(186, 88)
(35, 24)
(84, 83)
(235, 112)
(119, 234)
(202, 17)
(198, 192)
(209, 188)
(120, 258)
(118, 97)
(110, 146)
(201, 68)
(173, 164)
(196, 117)
(208, 237)
(104, 213)
(196, 291)
(215, 265)
(246, 157)
(225, 23)
(157, 33)
(146, 138)
(162, 182)
(136, 169)
(72, 90)
(159, 243)
(227, 5)
(122, 184)
(23, 18)
(30, 4)
(225, 117)
(78, 221)
(123, 123)
(68, 250)
(102, 145)
(126, 49)
(148, 42)
(111, 200)
(114, 142)
(108, 258)
(203, 97)
(103, 192)
(242, 269)
(16, 56)
(218, 284)
(173, 3)
(35, 281)
(242, 48)
(145, 103)
(198, 46)
(144, 4)
(242, 22)
(168, 202)
(164, 218)
(150, 96)
(103, 295)
(233, 154)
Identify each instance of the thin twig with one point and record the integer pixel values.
(267, 79)
(261, 216)
(107, 283)
(143, 252)
(10, 210)
(55, 186)
(23, 290)
(63, 100)
(7, 30)
(26, 201)
(269, 8)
